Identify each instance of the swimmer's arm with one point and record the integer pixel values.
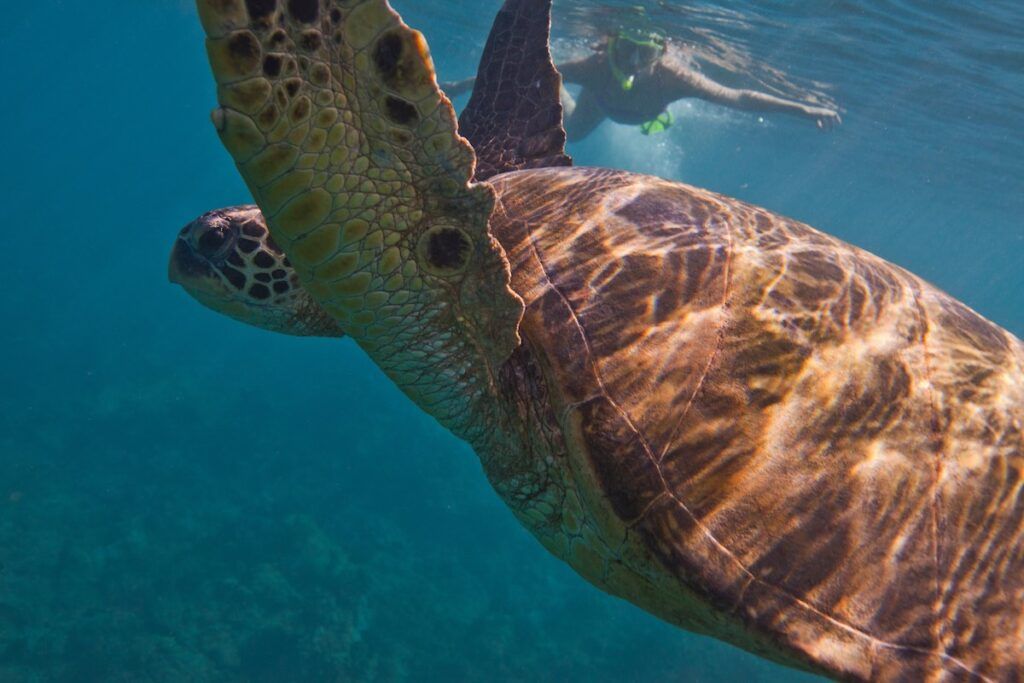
(456, 88)
(582, 71)
(579, 71)
(687, 82)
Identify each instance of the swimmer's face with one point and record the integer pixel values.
(633, 57)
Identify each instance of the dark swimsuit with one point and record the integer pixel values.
(629, 115)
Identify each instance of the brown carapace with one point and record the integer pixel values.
(780, 440)
(744, 426)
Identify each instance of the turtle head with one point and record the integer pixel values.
(227, 261)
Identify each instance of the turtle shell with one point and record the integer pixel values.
(779, 439)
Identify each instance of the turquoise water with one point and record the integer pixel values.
(185, 498)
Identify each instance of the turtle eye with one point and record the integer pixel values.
(213, 241)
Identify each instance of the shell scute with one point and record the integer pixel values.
(839, 444)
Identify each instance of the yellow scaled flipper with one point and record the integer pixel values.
(333, 115)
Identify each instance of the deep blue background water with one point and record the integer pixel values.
(184, 498)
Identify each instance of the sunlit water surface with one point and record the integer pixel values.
(184, 498)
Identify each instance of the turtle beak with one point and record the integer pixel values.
(173, 269)
(177, 267)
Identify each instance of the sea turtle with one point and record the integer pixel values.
(738, 423)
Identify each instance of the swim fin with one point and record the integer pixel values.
(660, 124)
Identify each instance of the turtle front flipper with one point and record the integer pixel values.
(333, 115)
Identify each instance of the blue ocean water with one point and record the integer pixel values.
(185, 498)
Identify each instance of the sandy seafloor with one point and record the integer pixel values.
(183, 498)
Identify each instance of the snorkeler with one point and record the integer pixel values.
(632, 77)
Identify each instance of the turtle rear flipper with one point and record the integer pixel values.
(514, 117)
(333, 115)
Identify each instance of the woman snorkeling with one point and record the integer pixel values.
(634, 76)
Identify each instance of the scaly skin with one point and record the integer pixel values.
(338, 128)
(736, 422)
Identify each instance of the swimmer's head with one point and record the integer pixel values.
(632, 52)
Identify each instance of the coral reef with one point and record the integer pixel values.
(157, 526)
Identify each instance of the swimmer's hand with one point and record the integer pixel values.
(824, 118)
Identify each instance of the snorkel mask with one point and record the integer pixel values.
(631, 51)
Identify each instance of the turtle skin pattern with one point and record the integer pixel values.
(775, 437)
(332, 113)
(514, 117)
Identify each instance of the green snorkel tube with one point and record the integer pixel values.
(626, 81)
